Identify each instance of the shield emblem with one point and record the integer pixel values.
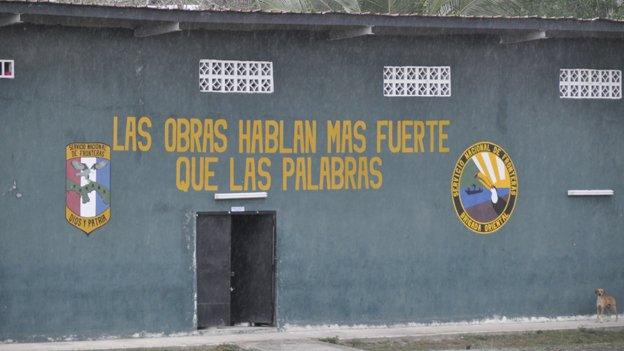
(87, 191)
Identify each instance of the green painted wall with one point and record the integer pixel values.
(398, 254)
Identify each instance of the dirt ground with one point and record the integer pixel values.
(554, 340)
(606, 339)
(227, 347)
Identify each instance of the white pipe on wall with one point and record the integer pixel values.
(240, 196)
(596, 192)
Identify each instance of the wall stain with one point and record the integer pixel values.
(13, 191)
(162, 207)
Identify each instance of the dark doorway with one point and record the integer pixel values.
(235, 269)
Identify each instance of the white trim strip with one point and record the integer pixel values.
(597, 192)
(239, 196)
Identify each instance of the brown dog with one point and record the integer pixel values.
(605, 303)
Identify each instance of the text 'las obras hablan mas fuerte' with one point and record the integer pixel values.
(309, 155)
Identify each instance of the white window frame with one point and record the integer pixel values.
(417, 81)
(2, 73)
(231, 76)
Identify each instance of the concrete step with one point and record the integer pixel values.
(236, 330)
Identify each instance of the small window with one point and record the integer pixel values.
(7, 69)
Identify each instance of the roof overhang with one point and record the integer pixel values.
(147, 21)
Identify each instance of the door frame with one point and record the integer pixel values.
(273, 214)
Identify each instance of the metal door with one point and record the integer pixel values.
(213, 270)
(253, 269)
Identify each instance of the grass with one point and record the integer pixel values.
(331, 340)
(579, 339)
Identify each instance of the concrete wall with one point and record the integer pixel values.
(393, 255)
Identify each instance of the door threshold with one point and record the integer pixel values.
(233, 329)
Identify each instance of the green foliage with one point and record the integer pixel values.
(469, 7)
(570, 8)
(331, 340)
(613, 9)
(308, 5)
(541, 8)
(392, 6)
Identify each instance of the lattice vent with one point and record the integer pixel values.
(575, 83)
(417, 81)
(251, 77)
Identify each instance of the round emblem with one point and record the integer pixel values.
(484, 187)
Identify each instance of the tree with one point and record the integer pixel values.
(613, 9)
(541, 8)
(568, 8)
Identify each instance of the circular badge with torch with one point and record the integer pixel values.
(484, 187)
